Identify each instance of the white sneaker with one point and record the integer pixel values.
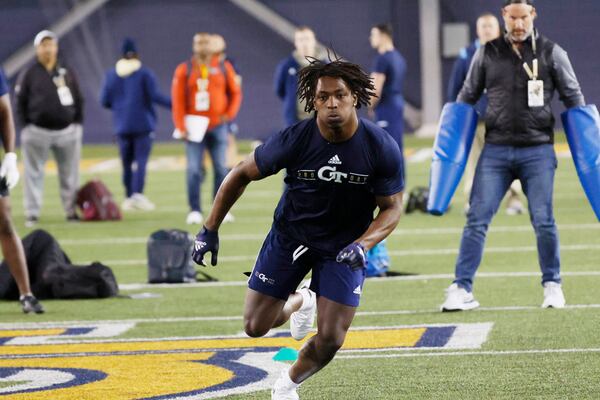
(228, 218)
(141, 202)
(127, 204)
(194, 217)
(301, 321)
(284, 388)
(515, 207)
(553, 296)
(458, 299)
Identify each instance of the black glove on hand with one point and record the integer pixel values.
(206, 241)
(353, 255)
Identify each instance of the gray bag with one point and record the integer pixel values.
(170, 257)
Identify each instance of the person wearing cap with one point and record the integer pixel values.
(11, 245)
(50, 111)
(488, 28)
(130, 90)
(521, 70)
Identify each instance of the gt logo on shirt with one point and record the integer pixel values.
(329, 173)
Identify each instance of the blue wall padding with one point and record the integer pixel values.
(456, 131)
(582, 126)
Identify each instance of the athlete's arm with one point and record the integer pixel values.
(7, 126)
(231, 189)
(390, 209)
(378, 82)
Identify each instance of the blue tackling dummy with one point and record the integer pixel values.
(456, 131)
(582, 126)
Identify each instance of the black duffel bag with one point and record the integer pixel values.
(52, 275)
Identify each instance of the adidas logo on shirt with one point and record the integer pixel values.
(335, 160)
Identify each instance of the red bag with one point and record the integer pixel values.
(96, 203)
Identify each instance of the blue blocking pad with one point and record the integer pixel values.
(451, 149)
(582, 127)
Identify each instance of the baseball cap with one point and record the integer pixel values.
(45, 34)
(509, 2)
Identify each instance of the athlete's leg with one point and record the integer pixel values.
(271, 296)
(333, 320)
(12, 248)
(263, 312)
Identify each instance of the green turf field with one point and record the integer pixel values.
(524, 352)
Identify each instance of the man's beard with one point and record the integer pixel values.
(520, 38)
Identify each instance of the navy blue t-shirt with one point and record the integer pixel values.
(3, 83)
(330, 190)
(393, 66)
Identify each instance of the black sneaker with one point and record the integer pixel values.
(30, 222)
(72, 218)
(30, 304)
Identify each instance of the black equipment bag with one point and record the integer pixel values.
(417, 200)
(51, 274)
(81, 282)
(170, 257)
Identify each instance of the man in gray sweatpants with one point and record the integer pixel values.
(49, 107)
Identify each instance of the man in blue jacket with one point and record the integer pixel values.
(488, 29)
(286, 75)
(130, 90)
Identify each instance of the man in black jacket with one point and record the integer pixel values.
(521, 70)
(49, 108)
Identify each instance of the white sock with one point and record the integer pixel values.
(306, 299)
(286, 381)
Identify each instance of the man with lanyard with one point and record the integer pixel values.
(339, 169)
(521, 71)
(201, 87)
(50, 110)
(488, 29)
(12, 248)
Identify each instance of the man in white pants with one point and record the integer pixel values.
(49, 107)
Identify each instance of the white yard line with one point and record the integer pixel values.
(50, 324)
(397, 232)
(397, 253)
(343, 356)
(481, 275)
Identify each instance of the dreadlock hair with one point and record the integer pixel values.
(360, 84)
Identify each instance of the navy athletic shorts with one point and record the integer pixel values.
(284, 262)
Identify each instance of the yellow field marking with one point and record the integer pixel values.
(32, 332)
(128, 377)
(371, 339)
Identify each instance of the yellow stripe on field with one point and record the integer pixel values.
(363, 339)
(32, 332)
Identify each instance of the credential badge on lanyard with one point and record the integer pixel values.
(202, 102)
(535, 86)
(64, 93)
